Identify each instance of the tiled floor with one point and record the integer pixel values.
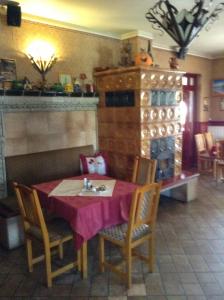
(190, 260)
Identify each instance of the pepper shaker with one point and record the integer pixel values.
(89, 184)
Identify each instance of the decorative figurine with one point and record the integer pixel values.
(27, 84)
(77, 87)
(83, 77)
(57, 87)
(126, 59)
(173, 63)
(68, 88)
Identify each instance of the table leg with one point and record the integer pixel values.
(84, 260)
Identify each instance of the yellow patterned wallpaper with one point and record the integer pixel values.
(77, 52)
(80, 52)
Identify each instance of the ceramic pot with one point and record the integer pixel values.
(143, 58)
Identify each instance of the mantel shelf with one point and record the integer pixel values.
(39, 103)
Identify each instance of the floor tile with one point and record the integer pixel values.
(189, 260)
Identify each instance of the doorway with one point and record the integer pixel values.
(190, 87)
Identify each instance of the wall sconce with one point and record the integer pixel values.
(42, 57)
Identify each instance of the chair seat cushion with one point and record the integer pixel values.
(220, 162)
(205, 155)
(119, 232)
(57, 230)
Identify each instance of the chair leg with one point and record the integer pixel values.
(102, 254)
(79, 260)
(29, 254)
(129, 266)
(48, 266)
(60, 251)
(151, 254)
(222, 172)
(215, 170)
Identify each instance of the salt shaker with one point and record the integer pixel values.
(85, 183)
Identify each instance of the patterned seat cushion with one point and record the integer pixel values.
(205, 155)
(220, 161)
(57, 229)
(119, 232)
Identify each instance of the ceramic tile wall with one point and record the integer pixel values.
(42, 131)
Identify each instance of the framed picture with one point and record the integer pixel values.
(221, 104)
(65, 79)
(218, 86)
(205, 103)
(7, 69)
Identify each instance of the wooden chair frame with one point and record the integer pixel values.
(149, 164)
(219, 161)
(218, 170)
(218, 155)
(204, 159)
(32, 217)
(210, 142)
(128, 244)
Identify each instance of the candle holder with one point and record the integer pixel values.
(42, 58)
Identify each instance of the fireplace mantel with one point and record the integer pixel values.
(14, 104)
(38, 103)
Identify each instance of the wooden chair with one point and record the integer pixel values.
(219, 162)
(219, 170)
(210, 142)
(140, 228)
(216, 150)
(204, 159)
(144, 170)
(35, 228)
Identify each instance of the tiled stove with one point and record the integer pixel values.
(139, 115)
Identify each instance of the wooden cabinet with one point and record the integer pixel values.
(139, 114)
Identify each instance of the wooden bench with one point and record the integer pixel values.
(182, 187)
(31, 169)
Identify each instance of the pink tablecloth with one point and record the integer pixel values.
(88, 215)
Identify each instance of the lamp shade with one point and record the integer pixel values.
(42, 57)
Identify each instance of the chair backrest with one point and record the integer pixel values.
(144, 170)
(31, 212)
(200, 143)
(220, 150)
(144, 207)
(210, 142)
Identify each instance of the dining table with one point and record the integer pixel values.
(105, 203)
